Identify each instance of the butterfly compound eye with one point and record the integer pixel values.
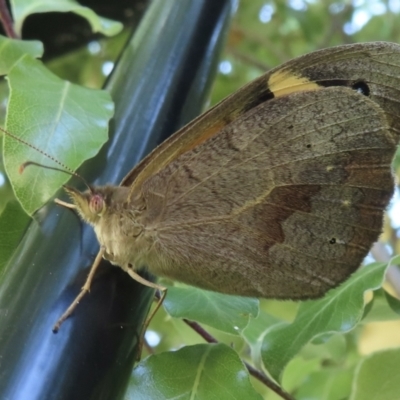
(96, 204)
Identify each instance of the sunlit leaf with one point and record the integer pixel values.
(11, 50)
(377, 377)
(67, 121)
(201, 372)
(230, 314)
(21, 9)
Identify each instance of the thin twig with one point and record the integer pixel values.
(268, 382)
(6, 20)
(201, 331)
(253, 371)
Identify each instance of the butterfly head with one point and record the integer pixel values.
(99, 202)
(91, 204)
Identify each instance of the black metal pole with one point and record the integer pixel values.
(159, 83)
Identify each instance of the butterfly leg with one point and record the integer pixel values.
(163, 290)
(85, 289)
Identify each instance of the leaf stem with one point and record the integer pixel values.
(6, 20)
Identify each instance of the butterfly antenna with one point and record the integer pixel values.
(64, 168)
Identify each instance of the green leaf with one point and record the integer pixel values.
(227, 313)
(328, 384)
(201, 372)
(380, 310)
(339, 311)
(11, 50)
(334, 351)
(67, 121)
(13, 221)
(393, 303)
(255, 331)
(258, 326)
(21, 9)
(377, 377)
(298, 372)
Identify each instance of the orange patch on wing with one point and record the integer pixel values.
(206, 134)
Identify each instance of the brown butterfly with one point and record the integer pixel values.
(278, 191)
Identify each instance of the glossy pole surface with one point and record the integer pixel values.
(159, 83)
